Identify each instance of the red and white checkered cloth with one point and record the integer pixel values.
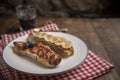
(93, 66)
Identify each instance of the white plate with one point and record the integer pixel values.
(27, 65)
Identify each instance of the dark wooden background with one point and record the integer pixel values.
(65, 8)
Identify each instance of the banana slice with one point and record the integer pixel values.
(55, 39)
(67, 44)
(42, 35)
(48, 37)
(59, 43)
(36, 30)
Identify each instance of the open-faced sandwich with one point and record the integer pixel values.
(60, 45)
(44, 48)
(39, 52)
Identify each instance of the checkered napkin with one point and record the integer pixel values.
(93, 66)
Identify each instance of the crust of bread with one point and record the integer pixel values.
(64, 52)
(41, 59)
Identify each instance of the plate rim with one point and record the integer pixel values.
(44, 74)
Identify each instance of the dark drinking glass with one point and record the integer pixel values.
(27, 16)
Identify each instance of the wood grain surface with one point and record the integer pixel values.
(101, 36)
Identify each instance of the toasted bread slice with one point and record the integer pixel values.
(41, 53)
(60, 45)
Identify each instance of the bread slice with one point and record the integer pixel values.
(41, 53)
(60, 45)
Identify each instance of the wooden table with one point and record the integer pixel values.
(101, 36)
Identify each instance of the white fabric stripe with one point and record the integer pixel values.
(25, 32)
(3, 41)
(6, 39)
(52, 27)
(14, 36)
(56, 27)
(49, 27)
(21, 33)
(46, 28)
(10, 38)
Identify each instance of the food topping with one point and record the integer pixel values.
(28, 44)
(60, 41)
(19, 45)
(45, 52)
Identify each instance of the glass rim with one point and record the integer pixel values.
(24, 6)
